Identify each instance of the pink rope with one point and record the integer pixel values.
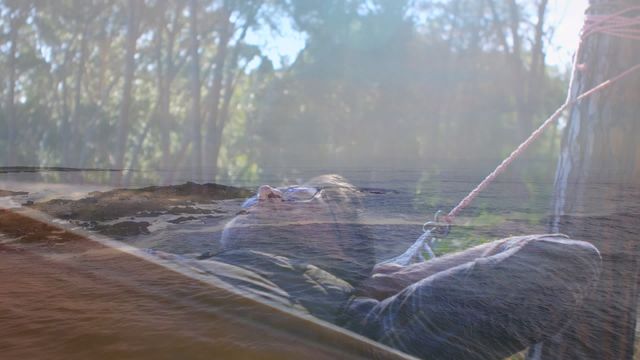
(616, 24)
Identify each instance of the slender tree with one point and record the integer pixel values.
(87, 14)
(528, 74)
(167, 68)
(215, 90)
(195, 114)
(221, 92)
(597, 192)
(17, 17)
(124, 121)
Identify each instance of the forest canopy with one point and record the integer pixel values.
(175, 85)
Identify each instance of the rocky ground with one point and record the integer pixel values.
(149, 201)
(11, 193)
(152, 216)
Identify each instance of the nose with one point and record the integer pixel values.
(267, 192)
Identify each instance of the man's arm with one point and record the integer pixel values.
(388, 279)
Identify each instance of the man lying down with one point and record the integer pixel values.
(303, 247)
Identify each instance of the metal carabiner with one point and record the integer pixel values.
(438, 228)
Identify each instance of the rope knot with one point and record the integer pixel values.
(440, 226)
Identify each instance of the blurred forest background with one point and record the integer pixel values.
(167, 86)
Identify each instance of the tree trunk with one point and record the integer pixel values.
(162, 107)
(166, 72)
(65, 126)
(18, 17)
(124, 122)
(597, 197)
(526, 81)
(75, 128)
(11, 98)
(215, 92)
(196, 123)
(525, 117)
(536, 75)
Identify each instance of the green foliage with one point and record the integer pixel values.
(379, 84)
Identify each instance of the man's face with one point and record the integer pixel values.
(295, 217)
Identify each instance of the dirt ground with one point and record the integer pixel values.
(110, 205)
(116, 212)
(11, 193)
